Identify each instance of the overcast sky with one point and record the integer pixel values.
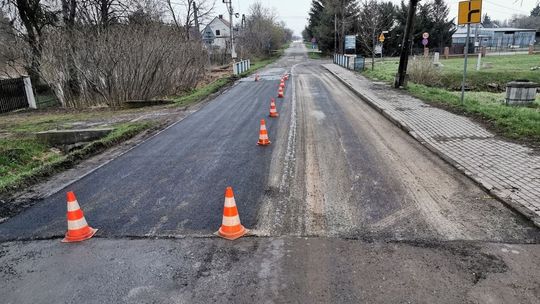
(295, 12)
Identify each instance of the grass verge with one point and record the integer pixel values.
(24, 160)
(521, 123)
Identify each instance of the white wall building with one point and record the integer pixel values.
(217, 34)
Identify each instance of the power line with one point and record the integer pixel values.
(506, 7)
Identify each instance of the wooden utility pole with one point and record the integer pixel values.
(404, 56)
(335, 34)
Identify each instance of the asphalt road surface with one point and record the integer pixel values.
(343, 207)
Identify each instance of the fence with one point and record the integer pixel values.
(241, 66)
(16, 94)
(351, 62)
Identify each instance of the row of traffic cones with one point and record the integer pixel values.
(231, 228)
(78, 229)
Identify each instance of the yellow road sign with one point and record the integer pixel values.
(470, 12)
(381, 38)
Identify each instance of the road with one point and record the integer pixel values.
(342, 207)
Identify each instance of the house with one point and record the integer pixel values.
(497, 38)
(217, 34)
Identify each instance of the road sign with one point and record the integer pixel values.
(425, 41)
(208, 36)
(381, 38)
(378, 49)
(425, 35)
(350, 42)
(470, 12)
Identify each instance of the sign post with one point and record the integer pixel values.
(381, 40)
(425, 42)
(350, 43)
(470, 12)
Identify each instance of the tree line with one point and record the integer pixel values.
(330, 20)
(105, 52)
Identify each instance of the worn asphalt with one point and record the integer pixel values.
(344, 207)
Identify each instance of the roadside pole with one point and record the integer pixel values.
(469, 12)
(228, 3)
(404, 56)
(466, 52)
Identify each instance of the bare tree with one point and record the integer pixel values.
(262, 32)
(29, 18)
(186, 14)
(371, 23)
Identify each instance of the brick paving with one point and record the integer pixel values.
(507, 170)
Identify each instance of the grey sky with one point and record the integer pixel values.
(295, 12)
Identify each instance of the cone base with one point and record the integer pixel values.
(232, 236)
(261, 143)
(274, 115)
(80, 238)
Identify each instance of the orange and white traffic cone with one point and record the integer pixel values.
(280, 92)
(273, 110)
(78, 229)
(282, 84)
(263, 135)
(231, 228)
(286, 76)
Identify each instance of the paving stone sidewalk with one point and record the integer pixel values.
(507, 170)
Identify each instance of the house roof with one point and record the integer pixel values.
(511, 29)
(227, 23)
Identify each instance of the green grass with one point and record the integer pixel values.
(24, 159)
(201, 93)
(502, 70)
(513, 122)
(315, 55)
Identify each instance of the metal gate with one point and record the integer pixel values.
(12, 95)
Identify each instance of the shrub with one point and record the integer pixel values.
(121, 63)
(421, 70)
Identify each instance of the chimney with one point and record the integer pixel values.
(220, 16)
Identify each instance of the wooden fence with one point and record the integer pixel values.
(14, 94)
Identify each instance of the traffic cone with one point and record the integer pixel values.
(231, 228)
(280, 92)
(273, 111)
(263, 135)
(286, 76)
(282, 84)
(78, 229)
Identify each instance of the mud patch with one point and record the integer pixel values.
(476, 264)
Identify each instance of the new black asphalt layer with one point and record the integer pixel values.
(173, 184)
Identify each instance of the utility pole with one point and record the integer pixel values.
(230, 9)
(335, 33)
(404, 56)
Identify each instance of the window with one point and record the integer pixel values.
(218, 32)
